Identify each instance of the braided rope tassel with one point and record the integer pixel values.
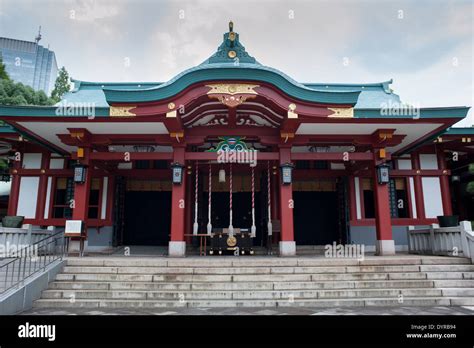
(269, 224)
(253, 229)
(209, 224)
(195, 225)
(231, 227)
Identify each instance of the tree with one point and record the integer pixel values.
(61, 86)
(470, 185)
(16, 93)
(3, 71)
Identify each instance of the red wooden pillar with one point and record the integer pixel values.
(82, 191)
(177, 245)
(43, 186)
(81, 202)
(420, 207)
(189, 218)
(275, 207)
(14, 190)
(352, 199)
(287, 242)
(444, 181)
(383, 224)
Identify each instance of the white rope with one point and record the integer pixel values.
(269, 224)
(231, 228)
(209, 224)
(253, 229)
(196, 226)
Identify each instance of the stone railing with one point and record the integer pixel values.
(24, 236)
(446, 241)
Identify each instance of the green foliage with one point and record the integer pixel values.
(61, 86)
(15, 93)
(470, 185)
(3, 71)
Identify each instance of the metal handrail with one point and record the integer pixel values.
(31, 259)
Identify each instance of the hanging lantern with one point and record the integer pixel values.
(177, 172)
(286, 171)
(222, 175)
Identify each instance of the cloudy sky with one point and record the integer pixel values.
(426, 46)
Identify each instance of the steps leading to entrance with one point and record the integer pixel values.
(261, 282)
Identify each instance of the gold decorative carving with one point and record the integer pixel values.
(342, 112)
(171, 114)
(171, 106)
(232, 88)
(121, 111)
(231, 241)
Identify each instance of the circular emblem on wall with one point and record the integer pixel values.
(232, 54)
(231, 241)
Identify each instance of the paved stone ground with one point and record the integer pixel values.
(464, 310)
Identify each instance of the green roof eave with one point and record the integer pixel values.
(385, 86)
(38, 141)
(427, 113)
(7, 129)
(460, 131)
(242, 72)
(45, 111)
(420, 143)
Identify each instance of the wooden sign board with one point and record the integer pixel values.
(74, 228)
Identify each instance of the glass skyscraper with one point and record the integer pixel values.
(29, 63)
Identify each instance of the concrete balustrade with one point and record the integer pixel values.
(14, 239)
(446, 241)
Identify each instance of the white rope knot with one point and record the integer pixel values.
(196, 225)
(209, 224)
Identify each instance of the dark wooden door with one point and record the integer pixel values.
(147, 217)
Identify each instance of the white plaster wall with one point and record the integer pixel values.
(28, 197)
(338, 166)
(357, 195)
(105, 187)
(125, 165)
(48, 197)
(428, 161)
(413, 198)
(404, 164)
(432, 197)
(56, 163)
(32, 160)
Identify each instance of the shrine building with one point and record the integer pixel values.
(234, 150)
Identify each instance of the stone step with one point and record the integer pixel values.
(464, 283)
(242, 295)
(373, 284)
(228, 261)
(242, 270)
(273, 277)
(127, 282)
(316, 303)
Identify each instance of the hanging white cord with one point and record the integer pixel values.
(269, 225)
(196, 226)
(209, 224)
(231, 228)
(253, 229)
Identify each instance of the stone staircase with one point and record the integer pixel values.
(126, 282)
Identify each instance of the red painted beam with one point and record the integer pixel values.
(131, 156)
(444, 182)
(212, 156)
(333, 156)
(420, 206)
